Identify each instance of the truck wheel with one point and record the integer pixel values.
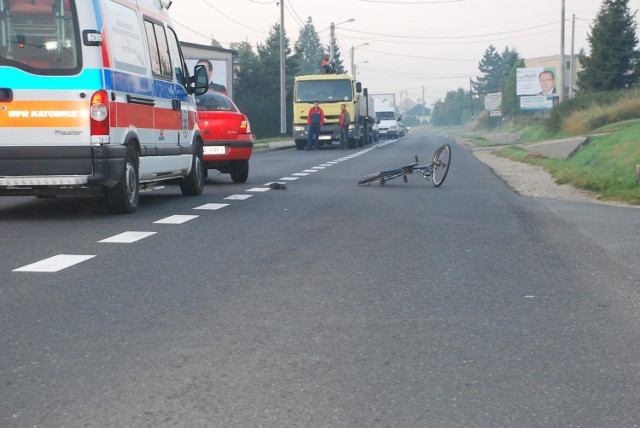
(352, 143)
(300, 144)
(193, 184)
(240, 171)
(124, 196)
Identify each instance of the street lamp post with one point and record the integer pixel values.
(333, 37)
(353, 64)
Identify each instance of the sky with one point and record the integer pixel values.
(417, 49)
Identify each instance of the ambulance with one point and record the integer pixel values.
(96, 98)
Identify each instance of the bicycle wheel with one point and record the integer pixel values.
(382, 177)
(441, 163)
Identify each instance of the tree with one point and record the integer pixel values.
(612, 40)
(491, 68)
(510, 100)
(454, 110)
(309, 50)
(258, 83)
(494, 68)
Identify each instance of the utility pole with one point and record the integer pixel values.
(562, 67)
(572, 71)
(283, 91)
(471, 95)
(333, 42)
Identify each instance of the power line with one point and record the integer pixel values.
(413, 2)
(452, 37)
(230, 18)
(294, 14)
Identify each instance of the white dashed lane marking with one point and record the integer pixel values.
(211, 207)
(176, 219)
(63, 261)
(238, 197)
(55, 263)
(127, 237)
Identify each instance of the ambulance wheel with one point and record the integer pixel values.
(124, 196)
(193, 184)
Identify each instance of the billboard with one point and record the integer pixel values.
(492, 103)
(536, 87)
(536, 81)
(217, 71)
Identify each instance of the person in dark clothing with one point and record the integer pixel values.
(315, 119)
(212, 86)
(345, 119)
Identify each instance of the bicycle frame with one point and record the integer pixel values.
(423, 170)
(436, 170)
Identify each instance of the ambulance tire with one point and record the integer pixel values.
(124, 196)
(193, 184)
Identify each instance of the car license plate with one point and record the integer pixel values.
(213, 150)
(325, 137)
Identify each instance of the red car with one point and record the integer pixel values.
(228, 142)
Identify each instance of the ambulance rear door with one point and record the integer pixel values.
(47, 78)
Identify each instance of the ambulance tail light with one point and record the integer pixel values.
(99, 113)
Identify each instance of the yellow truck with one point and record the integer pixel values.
(332, 90)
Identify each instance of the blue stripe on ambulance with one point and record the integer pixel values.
(88, 79)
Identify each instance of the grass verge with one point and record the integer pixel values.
(606, 165)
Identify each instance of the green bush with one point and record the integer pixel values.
(585, 101)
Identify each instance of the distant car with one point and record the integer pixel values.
(402, 130)
(228, 142)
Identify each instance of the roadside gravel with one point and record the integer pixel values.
(534, 181)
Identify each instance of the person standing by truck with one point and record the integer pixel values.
(315, 119)
(345, 119)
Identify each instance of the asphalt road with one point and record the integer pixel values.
(324, 305)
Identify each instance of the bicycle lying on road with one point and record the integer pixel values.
(436, 170)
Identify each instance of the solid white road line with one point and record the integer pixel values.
(55, 263)
(258, 189)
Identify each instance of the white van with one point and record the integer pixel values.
(95, 97)
(388, 126)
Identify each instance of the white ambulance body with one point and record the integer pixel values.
(95, 97)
